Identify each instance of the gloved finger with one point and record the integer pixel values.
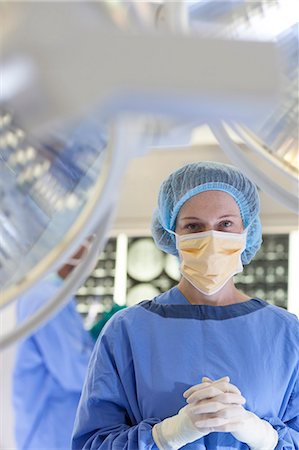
(226, 386)
(232, 412)
(212, 424)
(198, 387)
(206, 380)
(216, 422)
(208, 392)
(195, 388)
(217, 409)
(209, 380)
(194, 395)
(230, 398)
(206, 406)
(223, 383)
(228, 427)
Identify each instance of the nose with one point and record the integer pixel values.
(209, 228)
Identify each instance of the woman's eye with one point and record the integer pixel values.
(192, 227)
(226, 224)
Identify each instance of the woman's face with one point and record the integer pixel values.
(209, 210)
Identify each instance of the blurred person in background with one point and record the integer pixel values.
(105, 316)
(202, 365)
(50, 368)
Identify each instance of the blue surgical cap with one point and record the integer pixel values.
(194, 178)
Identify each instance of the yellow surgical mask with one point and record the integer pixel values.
(209, 259)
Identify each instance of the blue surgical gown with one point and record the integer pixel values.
(49, 372)
(149, 354)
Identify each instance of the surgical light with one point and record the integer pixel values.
(90, 99)
(268, 152)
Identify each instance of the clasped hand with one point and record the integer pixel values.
(212, 406)
(215, 406)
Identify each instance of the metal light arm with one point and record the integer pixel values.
(67, 289)
(83, 65)
(269, 185)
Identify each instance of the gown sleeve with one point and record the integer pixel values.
(65, 348)
(61, 345)
(108, 415)
(288, 427)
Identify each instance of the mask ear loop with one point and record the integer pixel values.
(170, 231)
(245, 233)
(177, 237)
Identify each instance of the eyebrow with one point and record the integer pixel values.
(221, 217)
(228, 215)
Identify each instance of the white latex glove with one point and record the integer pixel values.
(176, 431)
(218, 412)
(247, 427)
(257, 433)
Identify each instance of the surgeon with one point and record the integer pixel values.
(50, 368)
(203, 365)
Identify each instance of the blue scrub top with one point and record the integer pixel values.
(49, 372)
(149, 354)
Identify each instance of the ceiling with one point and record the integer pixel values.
(144, 175)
